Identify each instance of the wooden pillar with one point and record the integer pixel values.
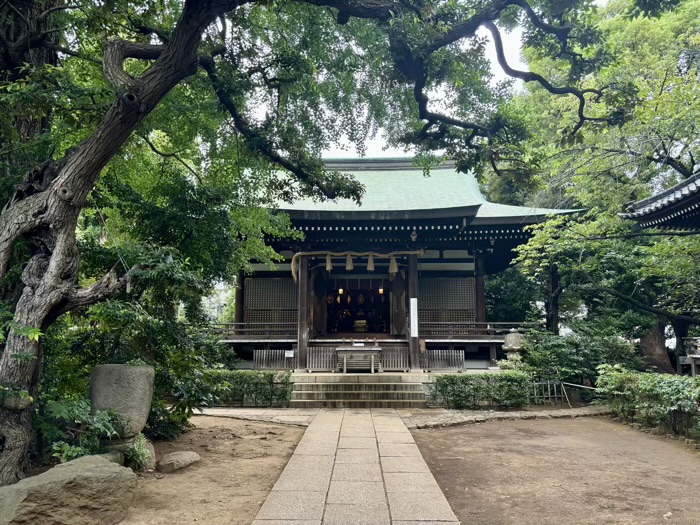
(413, 344)
(303, 313)
(239, 305)
(479, 272)
(493, 356)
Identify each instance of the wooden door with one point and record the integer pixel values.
(398, 304)
(319, 306)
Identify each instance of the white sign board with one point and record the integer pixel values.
(289, 353)
(414, 316)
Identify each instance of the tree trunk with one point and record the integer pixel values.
(680, 328)
(47, 216)
(653, 348)
(552, 303)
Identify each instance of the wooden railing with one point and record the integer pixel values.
(243, 330)
(485, 330)
(436, 359)
(449, 329)
(272, 359)
(395, 358)
(324, 358)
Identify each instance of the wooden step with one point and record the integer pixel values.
(344, 403)
(356, 396)
(357, 387)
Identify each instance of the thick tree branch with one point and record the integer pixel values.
(117, 51)
(255, 139)
(89, 295)
(642, 306)
(561, 32)
(528, 76)
(425, 114)
(663, 158)
(54, 9)
(468, 28)
(18, 220)
(70, 52)
(377, 9)
(172, 155)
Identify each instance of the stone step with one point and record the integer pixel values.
(344, 403)
(357, 387)
(327, 377)
(357, 396)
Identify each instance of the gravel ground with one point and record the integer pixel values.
(589, 471)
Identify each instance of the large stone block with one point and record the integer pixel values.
(86, 491)
(177, 460)
(126, 389)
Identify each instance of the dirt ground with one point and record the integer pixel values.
(241, 461)
(563, 472)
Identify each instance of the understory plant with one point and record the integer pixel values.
(67, 429)
(126, 332)
(508, 389)
(251, 387)
(574, 357)
(138, 455)
(652, 400)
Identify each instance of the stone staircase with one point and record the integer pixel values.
(357, 391)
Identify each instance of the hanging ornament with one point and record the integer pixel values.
(348, 263)
(370, 263)
(393, 267)
(329, 263)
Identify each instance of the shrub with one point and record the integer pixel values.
(504, 389)
(137, 455)
(575, 357)
(69, 430)
(164, 423)
(251, 387)
(652, 399)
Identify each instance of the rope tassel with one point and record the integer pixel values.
(329, 263)
(393, 267)
(348, 263)
(370, 263)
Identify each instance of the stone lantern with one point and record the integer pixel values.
(513, 342)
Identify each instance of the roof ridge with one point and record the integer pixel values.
(636, 205)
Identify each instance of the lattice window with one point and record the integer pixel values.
(270, 300)
(447, 293)
(446, 316)
(273, 293)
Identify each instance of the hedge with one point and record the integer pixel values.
(251, 387)
(503, 389)
(652, 399)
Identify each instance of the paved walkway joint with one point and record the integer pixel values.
(356, 467)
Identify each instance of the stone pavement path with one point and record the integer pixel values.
(356, 467)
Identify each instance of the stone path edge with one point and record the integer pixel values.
(451, 418)
(440, 417)
(276, 419)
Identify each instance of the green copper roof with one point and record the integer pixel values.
(396, 189)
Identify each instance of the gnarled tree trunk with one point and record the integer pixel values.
(653, 348)
(47, 216)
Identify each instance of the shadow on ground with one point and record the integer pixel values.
(551, 472)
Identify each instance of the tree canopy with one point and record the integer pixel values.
(144, 144)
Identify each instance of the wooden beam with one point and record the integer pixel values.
(413, 344)
(480, 271)
(239, 298)
(303, 313)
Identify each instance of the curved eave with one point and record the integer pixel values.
(534, 216)
(382, 215)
